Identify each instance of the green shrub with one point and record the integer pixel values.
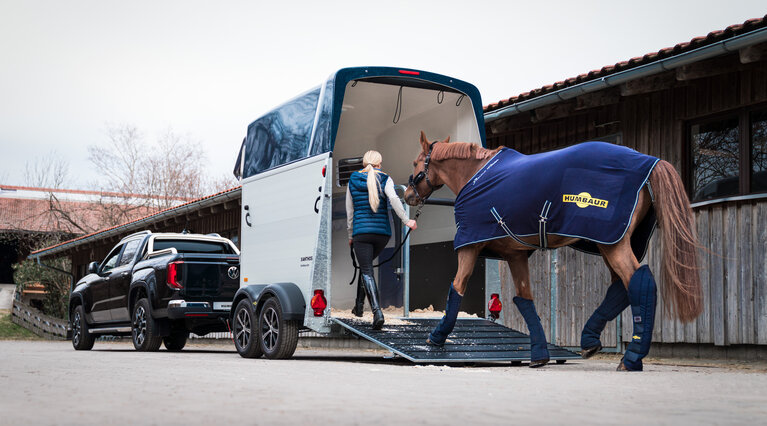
(57, 284)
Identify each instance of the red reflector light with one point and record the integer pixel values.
(495, 305)
(319, 303)
(409, 72)
(324, 169)
(173, 275)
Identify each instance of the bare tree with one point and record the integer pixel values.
(48, 171)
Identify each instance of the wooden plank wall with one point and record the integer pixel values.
(734, 263)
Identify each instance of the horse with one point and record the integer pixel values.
(658, 197)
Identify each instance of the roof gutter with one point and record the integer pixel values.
(119, 230)
(699, 54)
(61, 271)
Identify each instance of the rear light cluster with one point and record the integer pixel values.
(319, 303)
(495, 306)
(173, 277)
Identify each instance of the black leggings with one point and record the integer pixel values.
(367, 247)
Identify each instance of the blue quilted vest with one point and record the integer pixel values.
(365, 220)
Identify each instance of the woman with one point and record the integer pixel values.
(368, 196)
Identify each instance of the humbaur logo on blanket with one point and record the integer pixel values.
(583, 200)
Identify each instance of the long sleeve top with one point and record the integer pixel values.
(391, 194)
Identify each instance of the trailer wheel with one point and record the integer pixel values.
(245, 332)
(278, 337)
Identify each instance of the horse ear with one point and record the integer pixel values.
(424, 142)
(446, 140)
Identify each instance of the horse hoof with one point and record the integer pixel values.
(539, 363)
(589, 352)
(623, 367)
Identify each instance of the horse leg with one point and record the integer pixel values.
(466, 258)
(520, 274)
(615, 301)
(642, 295)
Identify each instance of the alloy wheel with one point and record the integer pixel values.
(270, 329)
(139, 326)
(77, 332)
(242, 328)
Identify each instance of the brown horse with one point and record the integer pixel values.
(454, 164)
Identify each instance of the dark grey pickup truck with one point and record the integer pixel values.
(156, 288)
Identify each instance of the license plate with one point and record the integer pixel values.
(222, 306)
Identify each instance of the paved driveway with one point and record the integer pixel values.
(50, 383)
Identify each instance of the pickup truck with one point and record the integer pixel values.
(157, 288)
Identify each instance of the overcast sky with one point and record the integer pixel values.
(207, 69)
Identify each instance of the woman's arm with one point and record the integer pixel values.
(396, 204)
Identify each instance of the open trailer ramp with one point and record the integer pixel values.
(472, 340)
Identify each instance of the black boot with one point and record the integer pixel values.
(359, 304)
(372, 291)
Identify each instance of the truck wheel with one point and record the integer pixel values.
(82, 340)
(244, 331)
(144, 328)
(278, 337)
(176, 341)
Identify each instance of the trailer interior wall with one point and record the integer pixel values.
(367, 122)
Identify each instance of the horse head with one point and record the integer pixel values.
(423, 181)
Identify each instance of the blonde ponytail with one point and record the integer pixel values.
(370, 160)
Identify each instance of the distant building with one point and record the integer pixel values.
(30, 216)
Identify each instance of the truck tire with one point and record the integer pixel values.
(176, 341)
(278, 337)
(82, 340)
(245, 332)
(144, 328)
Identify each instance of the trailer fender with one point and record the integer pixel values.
(290, 297)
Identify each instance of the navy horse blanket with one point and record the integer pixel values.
(586, 191)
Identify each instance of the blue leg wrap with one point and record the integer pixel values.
(643, 296)
(446, 325)
(538, 347)
(616, 300)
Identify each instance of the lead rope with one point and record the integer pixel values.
(354, 258)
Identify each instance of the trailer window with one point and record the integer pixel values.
(191, 246)
(281, 136)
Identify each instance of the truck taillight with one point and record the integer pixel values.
(494, 306)
(319, 303)
(173, 277)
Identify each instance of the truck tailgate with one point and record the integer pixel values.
(210, 279)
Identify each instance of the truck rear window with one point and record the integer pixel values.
(190, 246)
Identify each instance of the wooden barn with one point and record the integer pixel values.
(701, 105)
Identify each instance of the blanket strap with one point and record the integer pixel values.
(543, 218)
(506, 229)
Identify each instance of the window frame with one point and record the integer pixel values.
(743, 116)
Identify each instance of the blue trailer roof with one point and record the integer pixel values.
(307, 125)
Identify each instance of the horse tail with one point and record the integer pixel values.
(681, 287)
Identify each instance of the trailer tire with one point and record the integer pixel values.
(278, 337)
(245, 331)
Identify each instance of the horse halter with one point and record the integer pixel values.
(413, 181)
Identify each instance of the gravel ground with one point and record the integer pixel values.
(49, 383)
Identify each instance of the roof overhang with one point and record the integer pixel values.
(722, 47)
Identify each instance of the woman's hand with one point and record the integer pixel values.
(351, 242)
(411, 224)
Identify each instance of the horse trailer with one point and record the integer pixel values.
(294, 164)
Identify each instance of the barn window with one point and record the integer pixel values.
(728, 155)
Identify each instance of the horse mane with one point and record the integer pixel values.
(461, 151)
